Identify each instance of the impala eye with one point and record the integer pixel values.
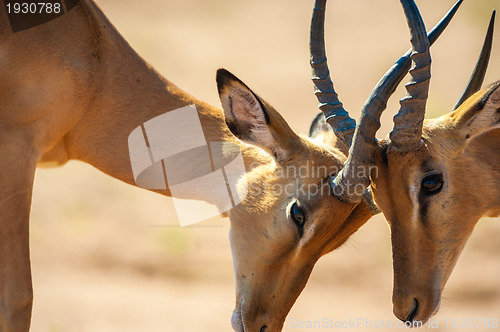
(298, 215)
(431, 184)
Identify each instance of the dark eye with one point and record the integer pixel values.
(431, 184)
(298, 215)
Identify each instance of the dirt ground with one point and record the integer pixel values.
(109, 257)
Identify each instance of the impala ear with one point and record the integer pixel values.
(477, 115)
(321, 132)
(254, 121)
(319, 128)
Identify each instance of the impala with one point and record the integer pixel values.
(444, 186)
(435, 179)
(86, 91)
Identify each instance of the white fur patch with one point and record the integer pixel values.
(246, 109)
(414, 190)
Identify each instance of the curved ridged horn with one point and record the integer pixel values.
(477, 77)
(407, 132)
(390, 81)
(335, 114)
(350, 183)
(330, 105)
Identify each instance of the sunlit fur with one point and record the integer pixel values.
(272, 257)
(428, 233)
(73, 88)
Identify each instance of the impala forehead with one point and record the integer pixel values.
(406, 168)
(272, 187)
(313, 175)
(398, 179)
(316, 163)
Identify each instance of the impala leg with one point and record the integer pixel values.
(17, 168)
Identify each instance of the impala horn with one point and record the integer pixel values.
(350, 183)
(477, 77)
(331, 107)
(335, 114)
(407, 132)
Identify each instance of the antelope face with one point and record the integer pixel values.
(289, 218)
(414, 192)
(430, 180)
(276, 239)
(432, 198)
(287, 222)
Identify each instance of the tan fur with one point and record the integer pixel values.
(429, 233)
(275, 262)
(74, 89)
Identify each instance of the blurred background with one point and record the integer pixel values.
(110, 257)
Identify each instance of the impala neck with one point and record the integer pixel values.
(127, 92)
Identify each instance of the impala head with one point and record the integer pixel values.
(433, 197)
(291, 215)
(432, 185)
(414, 171)
(289, 218)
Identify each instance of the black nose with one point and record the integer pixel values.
(413, 311)
(263, 328)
